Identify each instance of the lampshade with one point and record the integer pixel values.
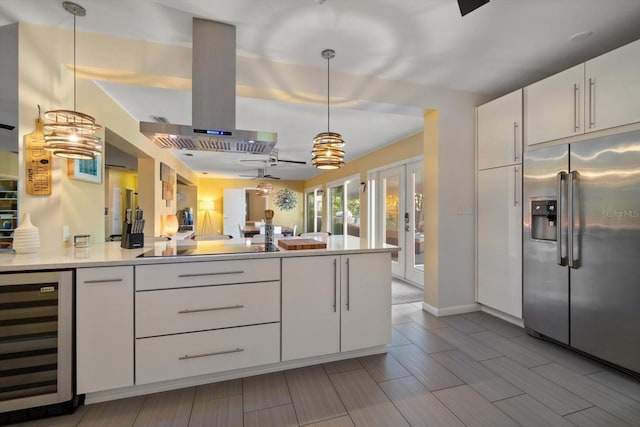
(264, 189)
(69, 133)
(328, 146)
(171, 225)
(206, 205)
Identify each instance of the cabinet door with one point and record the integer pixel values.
(366, 300)
(613, 88)
(553, 107)
(104, 328)
(499, 125)
(500, 239)
(310, 306)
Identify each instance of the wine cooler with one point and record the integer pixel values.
(36, 344)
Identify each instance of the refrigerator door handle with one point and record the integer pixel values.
(572, 206)
(560, 178)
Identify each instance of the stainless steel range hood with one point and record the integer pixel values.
(213, 94)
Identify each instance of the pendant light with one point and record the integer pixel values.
(328, 146)
(264, 189)
(69, 133)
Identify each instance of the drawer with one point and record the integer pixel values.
(199, 353)
(172, 311)
(191, 274)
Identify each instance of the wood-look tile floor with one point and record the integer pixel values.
(464, 370)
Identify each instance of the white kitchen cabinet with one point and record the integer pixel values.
(177, 356)
(310, 306)
(198, 318)
(602, 93)
(335, 303)
(499, 244)
(499, 131)
(366, 300)
(104, 328)
(553, 107)
(612, 84)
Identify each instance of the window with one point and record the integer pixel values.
(344, 207)
(313, 210)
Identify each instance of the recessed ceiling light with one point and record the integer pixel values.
(577, 37)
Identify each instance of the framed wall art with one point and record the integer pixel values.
(85, 170)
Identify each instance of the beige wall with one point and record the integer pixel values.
(212, 189)
(8, 164)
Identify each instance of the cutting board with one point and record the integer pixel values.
(296, 244)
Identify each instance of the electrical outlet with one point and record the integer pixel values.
(65, 233)
(463, 210)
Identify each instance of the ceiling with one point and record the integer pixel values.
(503, 45)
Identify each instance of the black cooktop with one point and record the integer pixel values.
(211, 247)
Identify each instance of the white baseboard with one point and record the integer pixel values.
(504, 316)
(447, 311)
(137, 390)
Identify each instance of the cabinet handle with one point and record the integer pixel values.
(211, 274)
(215, 353)
(348, 287)
(592, 103)
(576, 107)
(198, 310)
(515, 186)
(515, 141)
(335, 285)
(104, 280)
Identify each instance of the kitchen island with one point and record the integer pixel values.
(177, 314)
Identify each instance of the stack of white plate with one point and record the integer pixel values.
(26, 238)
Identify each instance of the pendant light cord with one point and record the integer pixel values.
(328, 95)
(74, 62)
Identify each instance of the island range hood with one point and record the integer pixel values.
(213, 92)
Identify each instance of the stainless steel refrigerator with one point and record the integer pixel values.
(581, 246)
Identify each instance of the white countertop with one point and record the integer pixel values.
(111, 254)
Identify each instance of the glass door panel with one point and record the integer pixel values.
(415, 234)
(336, 210)
(392, 219)
(352, 220)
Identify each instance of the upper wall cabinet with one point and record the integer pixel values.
(499, 127)
(553, 106)
(613, 88)
(599, 94)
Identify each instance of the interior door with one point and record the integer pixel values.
(234, 211)
(392, 216)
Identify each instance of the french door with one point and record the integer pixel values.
(397, 194)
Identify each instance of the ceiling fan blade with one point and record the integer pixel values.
(468, 6)
(248, 176)
(298, 162)
(271, 177)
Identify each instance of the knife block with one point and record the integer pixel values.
(132, 241)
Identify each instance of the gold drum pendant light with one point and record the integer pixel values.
(328, 146)
(264, 189)
(69, 133)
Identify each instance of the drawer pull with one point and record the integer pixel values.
(211, 274)
(198, 310)
(216, 353)
(103, 281)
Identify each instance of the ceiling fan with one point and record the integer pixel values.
(274, 159)
(261, 175)
(468, 6)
